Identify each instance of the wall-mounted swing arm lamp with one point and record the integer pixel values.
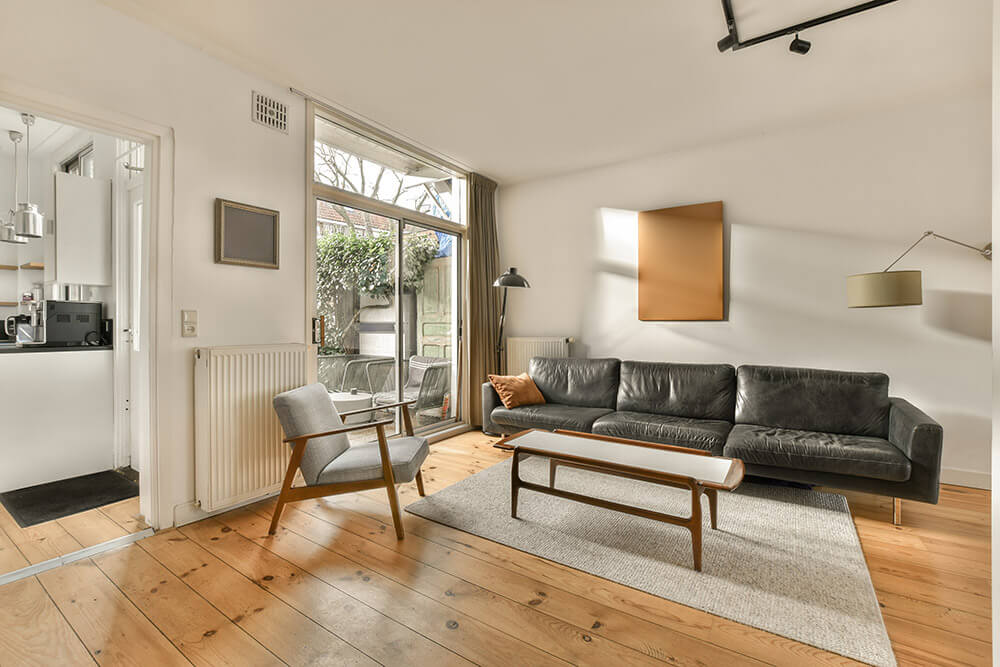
(897, 288)
(510, 279)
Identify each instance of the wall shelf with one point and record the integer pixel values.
(8, 304)
(34, 266)
(8, 267)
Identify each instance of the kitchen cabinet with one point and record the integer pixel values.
(79, 250)
(57, 412)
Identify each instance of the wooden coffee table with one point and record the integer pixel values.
(669, 465)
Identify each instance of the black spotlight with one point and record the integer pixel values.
(726, 43)
(799, 46)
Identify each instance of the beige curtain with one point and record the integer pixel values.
(484, 299)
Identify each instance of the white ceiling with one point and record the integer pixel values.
(524, 88)
(44, 133)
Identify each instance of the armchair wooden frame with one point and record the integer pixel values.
(290, 494)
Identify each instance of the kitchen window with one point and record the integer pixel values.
(81, 164)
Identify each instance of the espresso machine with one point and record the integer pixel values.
(28, 326)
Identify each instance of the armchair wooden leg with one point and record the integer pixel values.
(390, 481)
(420, 483)
(298, 449)
(897, 512)
(277, 515)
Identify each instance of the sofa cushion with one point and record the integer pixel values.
(856, 455)
(706, 434)
(516, 390)
(700, 391)
(589, 383)
(813, 400)
(550, 416)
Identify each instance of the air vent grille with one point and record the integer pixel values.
(269, 112)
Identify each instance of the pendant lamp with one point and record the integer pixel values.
(7, 232)
(28, 220)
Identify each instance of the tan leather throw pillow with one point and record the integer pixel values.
(515, 390)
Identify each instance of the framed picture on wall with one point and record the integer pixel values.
(246, 235)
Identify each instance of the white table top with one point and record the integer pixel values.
(708, 469)
(347, 396)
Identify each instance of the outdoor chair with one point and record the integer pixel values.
(428, 381)
(330, 465)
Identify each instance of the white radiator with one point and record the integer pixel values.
(239, 455)
(521, 350)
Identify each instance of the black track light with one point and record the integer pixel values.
(726, 43)
(799, 46)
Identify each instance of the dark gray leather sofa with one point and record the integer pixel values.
(830, 428)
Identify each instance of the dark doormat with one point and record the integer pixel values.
(45, 502)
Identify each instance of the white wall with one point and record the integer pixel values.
(122, 66)
(803, 209)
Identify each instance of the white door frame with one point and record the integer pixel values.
(159, 140)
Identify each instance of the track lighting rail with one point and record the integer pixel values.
(732, 39)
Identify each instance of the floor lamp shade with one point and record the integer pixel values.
(885, 288)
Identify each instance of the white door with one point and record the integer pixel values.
(131, 312)
(138, 360)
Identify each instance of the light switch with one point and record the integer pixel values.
(189, 323)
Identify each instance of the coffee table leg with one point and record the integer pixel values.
(515, 482)
(713, 506)
(553, 465)
(695, 526)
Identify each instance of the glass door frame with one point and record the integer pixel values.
(319, 191)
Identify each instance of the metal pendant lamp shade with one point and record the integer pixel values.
(885, 288)
(511, 279)
(28, 221)
(8, 235)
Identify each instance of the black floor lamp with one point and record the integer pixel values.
(510, 279)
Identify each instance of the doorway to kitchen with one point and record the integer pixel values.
(74, 347)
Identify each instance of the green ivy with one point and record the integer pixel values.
(347, 263)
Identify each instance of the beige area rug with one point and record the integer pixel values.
(784, 560)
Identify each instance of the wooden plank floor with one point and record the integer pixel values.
(20, 547)
(335, 587)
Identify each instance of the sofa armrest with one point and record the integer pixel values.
(921, 439)
(914, 433)
(491, 400)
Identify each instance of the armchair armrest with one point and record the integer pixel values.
(342, 429)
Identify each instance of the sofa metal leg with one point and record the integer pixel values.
(897, 512)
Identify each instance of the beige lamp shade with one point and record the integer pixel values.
(885, 288)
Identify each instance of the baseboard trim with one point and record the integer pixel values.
(970, 478)
(191, 512)
(59, 561)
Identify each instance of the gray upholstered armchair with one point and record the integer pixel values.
(328, 461)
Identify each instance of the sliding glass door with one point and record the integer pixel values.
(387, 273)
(387, 312)
(430, 310)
